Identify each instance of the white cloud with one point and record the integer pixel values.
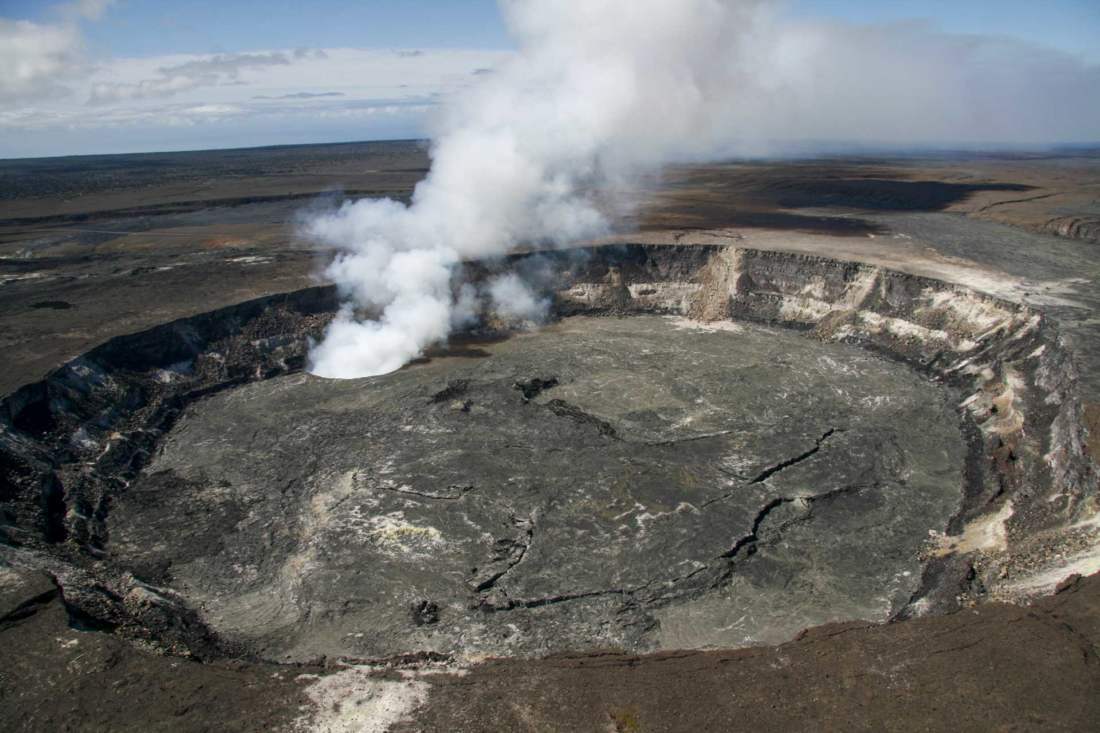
(86, 9)
(55, 98)
(230, 64)
(105, 93)
(184, 90)
(35, 59)
(192, 74)
(767, 84)
(301, 95)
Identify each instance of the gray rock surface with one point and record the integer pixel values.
(638, 483)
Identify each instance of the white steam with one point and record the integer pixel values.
(600, 90)
(515, 302)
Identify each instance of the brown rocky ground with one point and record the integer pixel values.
(56, 676)
(93, 248)
(1044, 194)
(994, 667)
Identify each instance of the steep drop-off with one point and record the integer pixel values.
(72, 445)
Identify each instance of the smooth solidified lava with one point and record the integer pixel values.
(611, 507)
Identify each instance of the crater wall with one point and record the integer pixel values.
(72, 443)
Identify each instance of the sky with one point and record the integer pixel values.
(95, 76)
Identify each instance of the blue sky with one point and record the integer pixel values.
(149, 74)
(154, 27)
(1069, 25)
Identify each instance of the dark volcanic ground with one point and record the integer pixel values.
(664, 487)
(996, 667)
(96, 247)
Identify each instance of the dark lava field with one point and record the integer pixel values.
(662, 487)
(811, 445)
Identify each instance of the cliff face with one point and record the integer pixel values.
(1032, 484)
(71, 444)
(1074, 227)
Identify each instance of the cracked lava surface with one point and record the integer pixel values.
(635, 483)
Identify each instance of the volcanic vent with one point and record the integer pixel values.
(697, 474)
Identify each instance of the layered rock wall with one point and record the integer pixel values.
(72, 442)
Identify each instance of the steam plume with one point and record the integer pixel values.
(603, 89)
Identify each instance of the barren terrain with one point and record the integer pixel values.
(852, 392)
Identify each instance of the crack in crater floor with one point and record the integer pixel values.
(586, 506)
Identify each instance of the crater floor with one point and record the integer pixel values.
(638, 483)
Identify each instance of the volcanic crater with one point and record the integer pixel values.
(706, 446)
